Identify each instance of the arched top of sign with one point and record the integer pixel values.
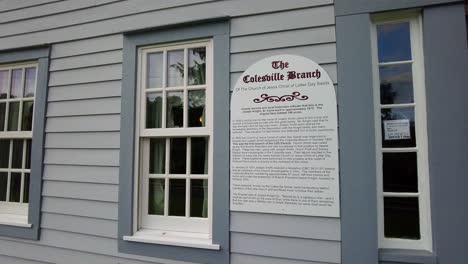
(284, 140)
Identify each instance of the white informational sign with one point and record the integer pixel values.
(284, 142)
(397, 129)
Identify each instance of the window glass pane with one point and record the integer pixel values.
(199, 156)
(199, 198)
(2, 116)
(197, 66)
(16, 76)
(155, 70)
(396, 84)
(26, 123)
(3, 84)
(28, 154)
(398, 127)
(393, 42)
(29, 82)
(157, 159)
(400, 172)
(17, 156)
(175, 109)
(154, 110)
(175, 68)
(15, 187)
(196, 111)
(26, 188)
(4, 153)
(178, 156)
(13, 116)
(177, 197)
(3, 185)
(401, 217)
(156, 197)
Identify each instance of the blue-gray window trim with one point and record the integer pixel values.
(41, 56)
(218, 31)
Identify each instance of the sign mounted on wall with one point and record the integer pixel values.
(284, 141)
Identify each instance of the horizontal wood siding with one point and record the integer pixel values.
(81, 161)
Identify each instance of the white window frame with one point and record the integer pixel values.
(417, 60)
(172, 230)
(16, 213)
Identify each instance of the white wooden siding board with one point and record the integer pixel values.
(89, 140)
(84, 91)
(146, 20)
(88, 60)
(321, 53)
(49, 9)
(294, 19)
(286, 247)
(85, 46)
(19, 260)
(283, 39)
(83, 123)
(251, 259)
(96, 209)
(84, 107)
(73, 173)
(97, 157)
(297, 226)
(86, 75)
(84, 191)
(8, 5)
(78, 224)
(88, 15)
(331, 69)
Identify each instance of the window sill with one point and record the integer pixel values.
(407, 256)
(14, 220)
(171, 238)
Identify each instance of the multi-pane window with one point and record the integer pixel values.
(175, 137)
(17, 88)
(402, 169)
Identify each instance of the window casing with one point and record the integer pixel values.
(401, 134)
(17, 92)
(174, 159)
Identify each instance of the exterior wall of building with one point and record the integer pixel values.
(81, 164)
(446, 58)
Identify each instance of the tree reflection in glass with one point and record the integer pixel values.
(175, 109)
(197, 66)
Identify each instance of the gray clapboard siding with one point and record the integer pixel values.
(252, 259)
(286, 247)
(79, 224)
(84, 91)
(79, 190)
(98, 13)
(286, 225)
(15, 4)
(300, 37)
(294, 19)
(86, 46)
(84, 107)
(83, 123)
(96, 209)
(322, 53)
(16, 260)
(86, 75)
(96, 157)
(87, 60)
(50, 8)
(73, 173)
(146, 20)
(103, 140)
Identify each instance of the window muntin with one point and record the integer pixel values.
(401, 136)
(175, 138)
(17, 89)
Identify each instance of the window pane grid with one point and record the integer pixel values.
(391, 63)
